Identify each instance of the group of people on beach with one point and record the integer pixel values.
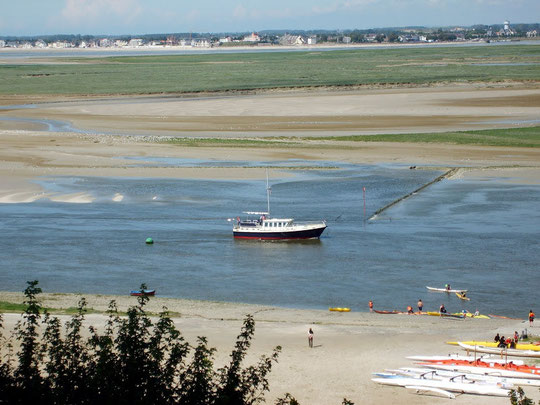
(509, 342)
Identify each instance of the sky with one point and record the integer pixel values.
(128, 17)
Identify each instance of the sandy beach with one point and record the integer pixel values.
(348, 347)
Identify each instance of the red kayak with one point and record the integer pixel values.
(479, 363)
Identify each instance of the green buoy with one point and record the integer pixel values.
(149, 241)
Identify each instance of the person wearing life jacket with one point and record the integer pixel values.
(531, 318)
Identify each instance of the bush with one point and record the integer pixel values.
(133, 361)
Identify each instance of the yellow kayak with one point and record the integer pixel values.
(462, 296)
(519, 346)
(433, 313)
(340, 309)
(470, 315)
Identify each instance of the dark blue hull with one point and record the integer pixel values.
(305, 234)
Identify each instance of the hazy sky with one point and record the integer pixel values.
(37, 17)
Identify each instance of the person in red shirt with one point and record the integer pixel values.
(531, 318)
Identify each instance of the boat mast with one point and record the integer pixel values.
(268, 190)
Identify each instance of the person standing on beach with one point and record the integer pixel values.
(310, 337)
(531, 318)
(420, 305)
(370, 306)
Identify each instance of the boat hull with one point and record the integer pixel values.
(139, 293)
(313, 233)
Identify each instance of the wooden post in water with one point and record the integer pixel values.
(364, 195)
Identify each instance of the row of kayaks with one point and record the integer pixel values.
(459, 315)
(447, 375)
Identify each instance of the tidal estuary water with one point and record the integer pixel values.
(479, 235)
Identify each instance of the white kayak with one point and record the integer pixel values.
(484, 358)
(449, 385)
(441, 375)
(484, 371)
(500, 351)
(445, 290)
(506, 382)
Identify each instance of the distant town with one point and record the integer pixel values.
(484, 33)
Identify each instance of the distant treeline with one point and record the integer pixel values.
(478, 29)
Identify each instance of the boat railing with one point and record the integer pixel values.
(309, 223)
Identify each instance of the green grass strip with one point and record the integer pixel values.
(216, 72)
(514, 137)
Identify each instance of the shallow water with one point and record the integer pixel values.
(478, 235)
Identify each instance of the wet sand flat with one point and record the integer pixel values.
(297, 113)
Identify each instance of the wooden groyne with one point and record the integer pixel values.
(441, 177)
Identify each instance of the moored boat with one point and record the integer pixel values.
(260, 226)
(138, 293)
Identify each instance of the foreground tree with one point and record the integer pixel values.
(132, 361)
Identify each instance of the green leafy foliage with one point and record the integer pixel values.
(134, 360)
(517, 397)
